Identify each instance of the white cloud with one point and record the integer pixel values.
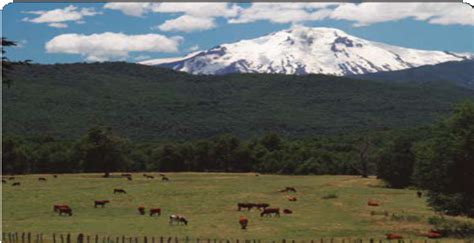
(362, 14)
(130, 9)
(142, 57)
(435, 13)
(108, 46)
(187, 23)
(193, 48)
(283, 12)
(58, 25)
(56, 17)
(198, 9)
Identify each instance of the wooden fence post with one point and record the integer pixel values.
(80, 238)
(175, 239)
(161, 239)
(145, 240)
(96, 239)
(88, 239)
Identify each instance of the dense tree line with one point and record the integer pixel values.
(439, 158)
(100, 150)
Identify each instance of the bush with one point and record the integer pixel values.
(451, 227)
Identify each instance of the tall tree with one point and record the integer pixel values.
(102, 151)
(445, 163)
(6, 64)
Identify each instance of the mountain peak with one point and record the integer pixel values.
(303, 50)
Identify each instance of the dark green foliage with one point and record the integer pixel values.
(452, 227)
(445, 163)
(395, 162)
(148, 104)
(101, 151)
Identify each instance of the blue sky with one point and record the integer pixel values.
(139, 31)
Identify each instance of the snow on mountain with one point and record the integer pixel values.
(303, 50)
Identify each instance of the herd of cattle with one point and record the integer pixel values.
(263, 208)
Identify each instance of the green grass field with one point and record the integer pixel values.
(209, 202)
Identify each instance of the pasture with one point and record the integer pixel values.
(209, 202)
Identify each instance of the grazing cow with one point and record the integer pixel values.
(65, 210)
(11, 178)
(261, 206)
(391, 236)
(154, 211)
(178, 219)
(57, 206)
(129, 178)
(270, 211)
(433, 234)
(419, 194)
(243, 221)
(55, 176)
(41, 179)
(164, 178)
(287, 211)
(373, 203)
(150, 177)
(292, 199)
(100, 202)
(119, 191)
(248, 206)
(4, 181)
(141, 210)
(16, 184)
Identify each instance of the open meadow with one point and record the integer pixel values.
(209, 202)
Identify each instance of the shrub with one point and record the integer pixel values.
(451, 227)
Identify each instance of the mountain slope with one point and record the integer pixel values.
(303, 50)
(148, 103)
(462, 73)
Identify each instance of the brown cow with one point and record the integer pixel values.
(55, 176)
(373, 203)
(141, 210)
(419, 194)
(41, 179)
(57, 206)
(270, 211)
(243, 221)
(16, 184)
(118, 190)
(154, 211)
(287, 211)
(150, 177)
(391, 236)
(65, 210)
(292, 199)
(164, 178)
(100, 202)
(248, 206)
(11, 178)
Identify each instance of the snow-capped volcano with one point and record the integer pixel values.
(303, 50)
